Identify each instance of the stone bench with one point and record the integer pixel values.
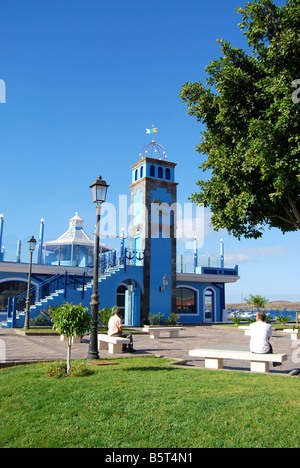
(293, 333)
(156, 332)
(259, 362)
(112, 343)
(246, 329)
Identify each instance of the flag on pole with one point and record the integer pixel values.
(152, 130)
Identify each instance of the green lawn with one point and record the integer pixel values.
(145, 403)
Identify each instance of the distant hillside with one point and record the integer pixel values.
(275, 305)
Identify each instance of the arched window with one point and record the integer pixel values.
(136, 175)
(168, 174)
(209, 299)
(141, 172)
(186, 300)
(160, 173)
(152, 171)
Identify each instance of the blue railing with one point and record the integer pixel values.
(107, 262)
(250, 313)
(62, 282)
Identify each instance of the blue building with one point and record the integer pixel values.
(143, 278)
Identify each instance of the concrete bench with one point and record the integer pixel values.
(259, 362)
(112, 343)
(246, 329)
(293, 333)
(156, 332)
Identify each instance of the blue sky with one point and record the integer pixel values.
(84, 79)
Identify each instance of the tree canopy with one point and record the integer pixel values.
(251, 113)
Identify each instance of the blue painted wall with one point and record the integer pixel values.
(153, 170)
(160, 301)
(160, 253)
(200, 288)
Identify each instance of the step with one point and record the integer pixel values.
(4, 325)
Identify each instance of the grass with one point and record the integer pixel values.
(144, 403)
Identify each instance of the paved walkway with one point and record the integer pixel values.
(17, 348)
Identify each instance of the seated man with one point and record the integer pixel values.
(260, 333)
(115, 329)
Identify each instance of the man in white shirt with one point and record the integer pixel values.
(115, 329)
(260, 333)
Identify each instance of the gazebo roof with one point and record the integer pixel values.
(75, 235)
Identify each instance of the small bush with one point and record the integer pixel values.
(236, 320)
(59, 369)
(172, 319)
(42, 320)
(80, 370)
(156, 319)
(56, 370)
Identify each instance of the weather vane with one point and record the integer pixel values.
(152, 130)
(153, 149)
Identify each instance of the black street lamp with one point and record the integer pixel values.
(31, 247)
(99, 189)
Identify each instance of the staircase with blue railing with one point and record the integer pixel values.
(78, 288)
(75, 289)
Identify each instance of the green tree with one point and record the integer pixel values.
(257, 301)
(251, 120)
(71, 320)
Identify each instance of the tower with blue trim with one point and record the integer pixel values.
(152, 228)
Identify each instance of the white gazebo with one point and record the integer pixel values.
(73, 248)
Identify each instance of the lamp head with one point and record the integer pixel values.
(99, 189)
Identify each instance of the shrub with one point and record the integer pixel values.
(58, 370)
(79, 370)
(42, 320)
(236, 320)
(172, 319)
(283, 319)
(156, 319)
(105, 314)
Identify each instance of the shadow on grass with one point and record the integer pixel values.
(147, 369)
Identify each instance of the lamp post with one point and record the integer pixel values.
(1, 236)
(31, 247)
(99, 189)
